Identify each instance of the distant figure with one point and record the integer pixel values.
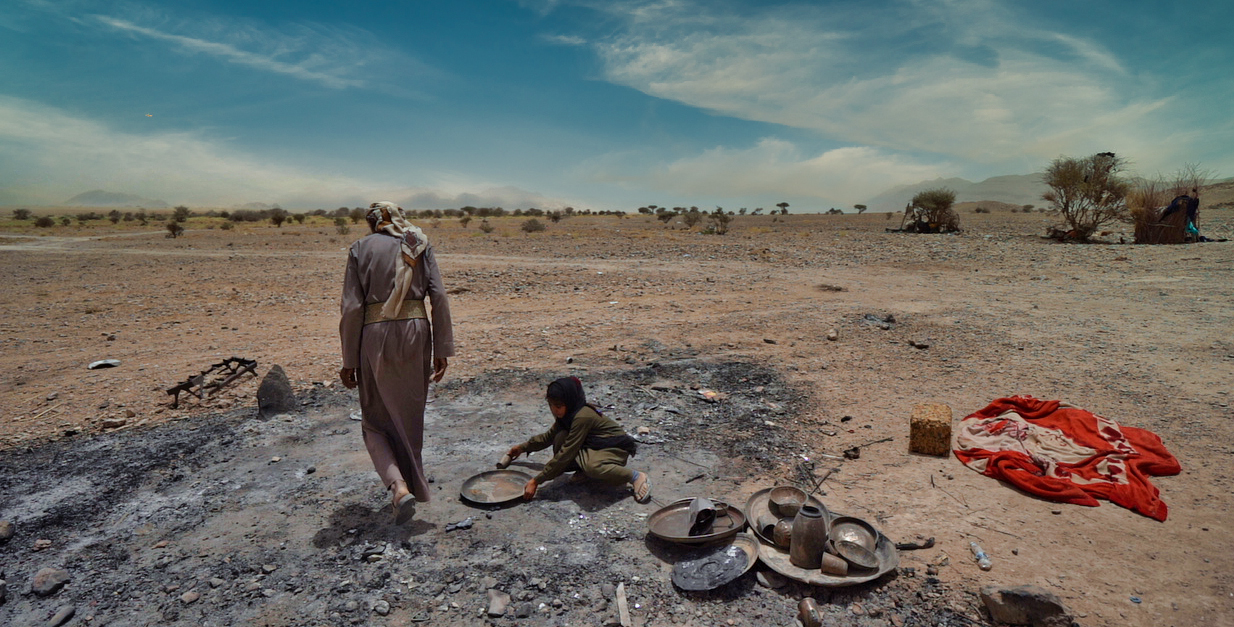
(583, 441)
(1190, 203)
(391, 350)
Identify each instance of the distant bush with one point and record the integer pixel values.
(227, 225)
(299, 218)
(340, 225)
(44, 221)
(21, 214)
(114, 216)
(981, 210)
(249, 215)
(693, 217)
(720, 221)
(278, 217)
(533, 226)
(357, 214)
(485, 226)
(65, 221)
(554, 216)
(181, 213)
(464, 220)
(174, 229)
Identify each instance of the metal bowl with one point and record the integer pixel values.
(786, 500)
(855, 540)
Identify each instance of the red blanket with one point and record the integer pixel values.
(1064, 453)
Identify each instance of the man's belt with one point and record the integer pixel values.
(407, 310)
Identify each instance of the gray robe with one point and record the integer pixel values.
(394, 359)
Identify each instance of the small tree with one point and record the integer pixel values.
(82, 218)
(554, 216)
(485, 226)
(356, 215)
(114, 216)
(1088, 192)
(299, 218)
(533, 226)
(181, 213)
(692, 217)
(933, 213)
(44, 222)
(65, 221)
(174, 229)
(227, 225)
(278, 216)
(860, 209)
(21, 214)
(783, 208)
(142, 217)
(340, 225)
(720, 221)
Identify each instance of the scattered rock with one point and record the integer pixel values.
(643, 430)
(832, 335)
(498, 601)
(274, 395)
(381, 608)
(190, 597)
(1025, 605)
(6, 531)
(524, 610)
(48, 580)
(919, 344)
(114, 423)
(42, 543)
(216, 582)
(62, 616)
(268, 568)
(103, 363)
(53, 396)
(769, 341)
(770, 579)
(128, 413)
(161, 544)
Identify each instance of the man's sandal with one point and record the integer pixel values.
(405, 509)
(642, 487)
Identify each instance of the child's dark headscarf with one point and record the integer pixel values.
(567, 391)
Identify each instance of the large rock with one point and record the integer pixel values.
(498, 601)
(274, 395)
(48, 580)
(6, 531)
(1025, 605)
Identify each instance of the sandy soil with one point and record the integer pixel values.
(1138, 334)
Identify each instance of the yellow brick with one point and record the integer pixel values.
(930, 429)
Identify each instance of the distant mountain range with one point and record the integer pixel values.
(1015, 189)
(100, 198)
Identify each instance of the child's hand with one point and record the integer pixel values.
(515, 451)
(529, 490)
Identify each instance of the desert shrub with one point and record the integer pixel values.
(692, 217)
(227, 225)
(356, 215)
(249, 215)
(181, 213)
(278, 216)
(299, 218)
(720, 221)
(174, 229)
(1147, 200)
(665, 216)
(340, 225)
(932, 212)
(44, 221)
(554, 216)
(114, 216)
(1088, 192)
(65, 221)
(485, 226)
(979, 210)
(21, 214)
(533, 226)
(465, 220)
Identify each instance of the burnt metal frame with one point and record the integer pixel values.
(234, 367)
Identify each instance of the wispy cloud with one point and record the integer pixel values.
(565, 40)
(51, 155)
(314, 67)
(970, 79)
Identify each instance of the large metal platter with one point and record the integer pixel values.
(495, 486)
(672, 523)
(777, 559)
(759, 504)
(743, 550)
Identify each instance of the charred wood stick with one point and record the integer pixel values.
(913, 546)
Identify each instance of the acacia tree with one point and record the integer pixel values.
(933, 208)
(860, 208)
(783, 208)
(1087, 191)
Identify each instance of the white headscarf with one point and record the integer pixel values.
(387, 217)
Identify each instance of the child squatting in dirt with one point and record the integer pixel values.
(583, 441)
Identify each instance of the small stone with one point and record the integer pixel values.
(919, 344)
(1023, 605)
(53, 396)
(643, 430)
(48, 580)
(524, 610)
(216, 582)
(381, 607)
(931, 570)
(310, 470)
(190, 597)
(128, 413)
(832, 335)
(856, 610)
(498, 601)
(6, 531)
(113, 423)
(770, 579)
(274, 395)
(488, 582)
(275, 460)
(160, 544)
(769, 341)
(62, 616)
(1056, 511)
(351, 605)
(41, 544)
(268, 568)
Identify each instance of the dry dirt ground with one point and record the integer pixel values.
(191, 500)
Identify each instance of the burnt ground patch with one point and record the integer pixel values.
(225, 519)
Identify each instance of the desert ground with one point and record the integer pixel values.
(207, 515)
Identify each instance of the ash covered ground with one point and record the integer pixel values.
(226, 519)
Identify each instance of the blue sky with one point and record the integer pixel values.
(595, 104)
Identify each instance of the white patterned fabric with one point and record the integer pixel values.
(387, 217)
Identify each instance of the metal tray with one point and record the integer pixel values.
(759, 504)
(495, 486)
(777, 559)
(672, 523)
(743, 546)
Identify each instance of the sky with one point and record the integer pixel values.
(596, 104)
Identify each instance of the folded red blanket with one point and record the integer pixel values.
(1064, 453)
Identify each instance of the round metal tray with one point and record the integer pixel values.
(777, 559)
(672, 523)
(760, 503)
(743, 546)
(495, 486)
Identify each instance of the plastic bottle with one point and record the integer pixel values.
(983, 560)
